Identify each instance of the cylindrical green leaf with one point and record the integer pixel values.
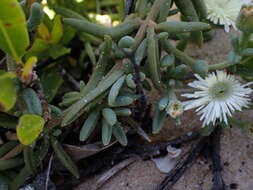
(158, 120)
(153, 57)
(100, 68)
(201, 8)
(7, 147)
(122, 111)
(55, 111)
(106, 132)
(119, 134)
(116, 32)
(189, 12)
(77, 109)
(20, 179)
(90, 52)
(123, 101)
(115, 90)
(8, 121)
(89, 125)
(110, 116)
(168, 61)
(29, 158)
(11, 163)
(64, 158)
(130, 82)
(164, 11)
(36, 16)
(141, 52)
(163, 103)
(182, 27)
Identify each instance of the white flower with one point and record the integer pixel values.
(219, 95)
(224, 12)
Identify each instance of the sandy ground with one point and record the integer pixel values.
(236, 146)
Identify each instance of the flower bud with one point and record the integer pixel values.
(175, 108)
(245, 19)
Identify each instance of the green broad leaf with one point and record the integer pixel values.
(57, 30)
(68, 34)
(43, 32)
(32, 101)
(119, 134)
(8, 95)
(39, 45)
(51, 81)
(57, 50)
(13, 32)
(29, 128)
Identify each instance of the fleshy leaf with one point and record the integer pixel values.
(29, 128)
(8, 93)
(119, 134)
(51, 82)
(57, 30)
(57, 50)
(13, 32)
(43, 32)
(38, 46)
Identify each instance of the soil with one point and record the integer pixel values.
(236, 146)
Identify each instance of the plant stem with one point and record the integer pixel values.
(226, 64)
(214, 146)
(115, 32)
(168, 47)
(68, 13)
(151, 17)
(222, 65)
(244, 40)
